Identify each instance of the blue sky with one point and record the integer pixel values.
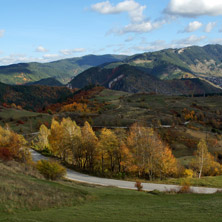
(47, 30)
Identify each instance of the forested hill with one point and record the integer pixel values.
(192, 61)
(131, 79)
(63, 70)
(32, 97)
(46, 82)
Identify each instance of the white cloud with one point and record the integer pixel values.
(138, 22)
(210, 26)
(142, 27)
(41, 49)
(191, 40)
(193, 26)
(2, 32)
(72, 51)
(133, 8)
(193, 8)
(138, 27)
(51, 56)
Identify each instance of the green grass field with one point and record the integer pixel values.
(25, 198)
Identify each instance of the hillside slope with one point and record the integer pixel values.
(179, 63)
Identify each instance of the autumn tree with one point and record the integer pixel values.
(56, 139)
(151, 155)
(12, 146)
(89, 143)
(43, 142)
(72, 140)
(123, 156)
(204, 162)
(106, 148)
(167, 165)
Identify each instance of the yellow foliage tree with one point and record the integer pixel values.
(89, 143)
(56, 139)
(106, 148)
(43, 142)
(204, 162)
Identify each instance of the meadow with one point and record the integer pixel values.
(31, 198)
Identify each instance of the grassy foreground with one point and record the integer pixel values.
(25, 198)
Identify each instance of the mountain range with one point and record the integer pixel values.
(188, 70)
(63, 70)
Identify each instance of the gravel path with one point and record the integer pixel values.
(75, 176)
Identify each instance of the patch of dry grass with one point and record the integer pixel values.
(20, 191)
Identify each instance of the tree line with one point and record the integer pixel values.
(136, 152)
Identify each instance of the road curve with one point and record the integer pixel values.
(75, 176)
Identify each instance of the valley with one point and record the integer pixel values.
(141, 118)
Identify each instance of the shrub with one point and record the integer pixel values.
(188, 173)
(51, 169)
(185, 187)
(139, 186)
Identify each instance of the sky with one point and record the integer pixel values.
(48, 30)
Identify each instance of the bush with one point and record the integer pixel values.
(188, 173)
(139, 186)
(185, 187)
(51, 169)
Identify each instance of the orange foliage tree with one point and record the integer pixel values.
(12, 146)
(151, 156)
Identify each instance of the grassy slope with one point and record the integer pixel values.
(24, 192)
(24, 198)
(31, 120)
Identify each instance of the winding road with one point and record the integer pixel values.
(75, 176)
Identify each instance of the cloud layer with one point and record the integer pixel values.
(193, 8)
